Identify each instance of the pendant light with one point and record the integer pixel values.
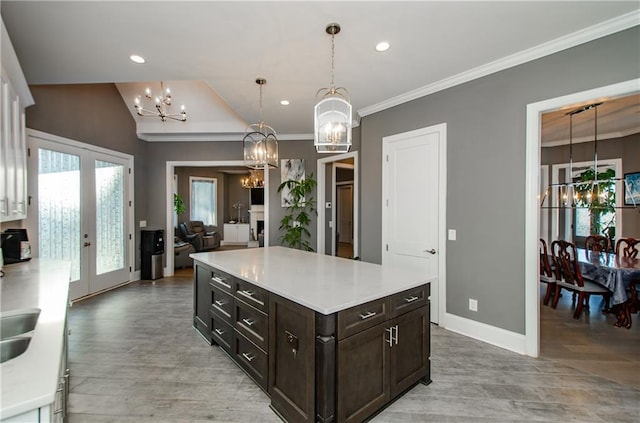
(332, 113)
(260, 142)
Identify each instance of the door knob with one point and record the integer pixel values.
(86, 244)
(431, 251)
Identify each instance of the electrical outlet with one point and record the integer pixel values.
(143, 223)
(473, 304)
(452, 234)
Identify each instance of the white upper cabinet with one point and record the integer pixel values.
(14, 98)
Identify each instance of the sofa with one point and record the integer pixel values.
(202, 237)
(181, 250)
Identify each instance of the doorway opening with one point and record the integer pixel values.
(336, 171)
(532, 197)
(245, 209)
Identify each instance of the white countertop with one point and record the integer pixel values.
(30, 380)
(322, 283)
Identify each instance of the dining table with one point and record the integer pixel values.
(615, 273)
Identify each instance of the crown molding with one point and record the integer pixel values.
(591, 33)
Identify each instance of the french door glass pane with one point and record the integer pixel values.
(110, 249)
(59, 208)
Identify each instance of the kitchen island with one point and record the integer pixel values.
(329, 339)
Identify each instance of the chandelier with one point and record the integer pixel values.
(332, 113)
(162, 102)
(592, 188)
(254, 180)
(260, 143)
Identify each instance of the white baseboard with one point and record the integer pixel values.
(135, 276)
(486, 333)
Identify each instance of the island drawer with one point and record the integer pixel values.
(253, 324)
(251, 294)
(221, 303)
(361, 317)
(252, 359)
(222, 333)
(222, 280)
(410, 299)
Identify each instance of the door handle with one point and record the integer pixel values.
(431, 251)
(87, 244)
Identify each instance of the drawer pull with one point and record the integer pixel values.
(367, 315)
(248, 357)
(390, 340)
(220, 303)
(250, 295)
(249, 322)
(221, 282)
(219, 331)
(411, 299)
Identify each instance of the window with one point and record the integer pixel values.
(203, 199)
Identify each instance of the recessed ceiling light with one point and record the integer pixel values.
(137, 59)
(382, 46)
(285, 102)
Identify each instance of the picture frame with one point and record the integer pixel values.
(290, 169)
(632, 189)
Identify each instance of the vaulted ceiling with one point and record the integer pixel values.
(211, 52)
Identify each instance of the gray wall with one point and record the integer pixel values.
(486, 121)
(486, 158)
(625, 148)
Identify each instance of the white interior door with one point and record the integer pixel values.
(411, 236)
(82, 216)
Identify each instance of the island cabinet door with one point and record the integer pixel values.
(291, 360)
(410, 350)
(363, 373)
(202, 301)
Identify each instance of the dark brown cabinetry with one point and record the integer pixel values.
(232, 313)
(340, 367)
(378, 363)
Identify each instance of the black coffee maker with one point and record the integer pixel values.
(15, 246)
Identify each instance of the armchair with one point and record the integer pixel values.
(202, 237)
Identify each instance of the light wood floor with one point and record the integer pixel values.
(134, 357)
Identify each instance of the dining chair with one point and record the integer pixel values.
(546, 274)
(570, 277)
(629, 247)
(597, 243)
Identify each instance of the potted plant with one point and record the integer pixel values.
(295, 223)
(178, 204)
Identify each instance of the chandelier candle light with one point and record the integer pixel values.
(332, 114)
(254, 180)
(260, 142)
(162, 102)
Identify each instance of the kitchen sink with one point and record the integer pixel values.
(13, 347)
(18, 322)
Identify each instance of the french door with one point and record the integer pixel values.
(82, 216)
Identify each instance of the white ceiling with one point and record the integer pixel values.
(210, 52)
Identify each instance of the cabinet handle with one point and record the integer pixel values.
(249, 322)
(367, 315)
(220, 303)
(219, 331)
(397, 336)
(60, 398)
(248, 357)
(221, 282)
(390, 340)
(250, 295)
(411, 299)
